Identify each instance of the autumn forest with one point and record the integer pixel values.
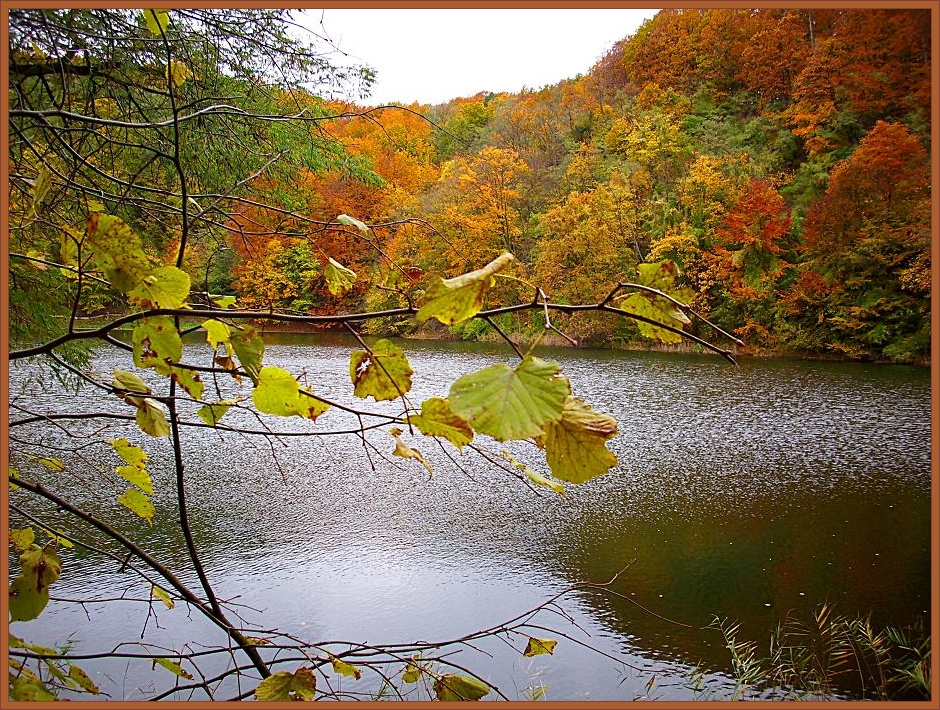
(780, 157)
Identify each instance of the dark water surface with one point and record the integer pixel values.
(742, 492)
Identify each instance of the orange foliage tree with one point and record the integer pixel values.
(865, 291)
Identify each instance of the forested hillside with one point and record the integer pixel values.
(779, 157)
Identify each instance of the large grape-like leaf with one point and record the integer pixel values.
(452, 687)
(279, 393)
(157, 344)
(339, 279)
(639, 304)
(511, 403)
(454, 300)
(164, 287)
(438, 419)
(661, 276)
(382, 374)
(575, 444)
(40, 567)
(284, 686)
(117, 250)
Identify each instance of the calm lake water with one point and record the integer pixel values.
(742, 492)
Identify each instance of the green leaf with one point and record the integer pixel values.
(128, 381)
(40, 189)
(52, 464)
(132, 454)
(29, 688)
(157, 344)
(57, 535)
(40, 567)
(163, 287)
(383, 374)
(189, 380)
(339, 279)
(117, 250)
(249, 348)
(173, 667)
(540, 480)
(283, 686)
(214, 411)
(25, 602)
(412, 672)
(454, 687)
(404, 451)
(457, 299)
(640, 305)
(661, 275)
(353, 222)
(511, 403)
(163, 595)
(278, 393)
(537, 647)
(178, 72)
(83, 680)
(535, 477)
(21, 539)
(574, 445)
(223, 301)
(68, 252)
(150, 416)
(438, 419)
(217, 332)
(346, 669)
(157, 21)
(138, 503)
(136, 475)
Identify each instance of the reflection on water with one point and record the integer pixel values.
(741, 492)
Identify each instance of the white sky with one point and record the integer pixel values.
(434, 55)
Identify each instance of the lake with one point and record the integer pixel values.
(742, 493)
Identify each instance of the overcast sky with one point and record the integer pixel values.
(434, 55)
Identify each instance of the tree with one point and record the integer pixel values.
(865, 286)
(122, 152)
(748, 261)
